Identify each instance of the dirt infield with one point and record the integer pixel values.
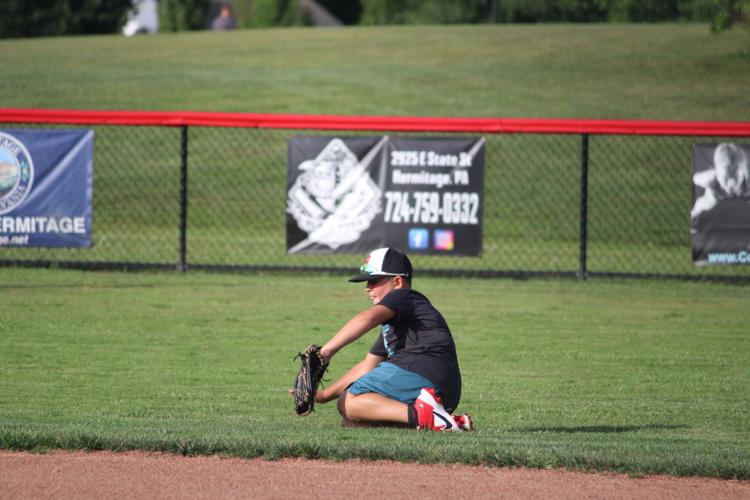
(84, 475)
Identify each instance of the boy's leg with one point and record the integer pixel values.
(394, 395)
(372, 407)
(382, 395)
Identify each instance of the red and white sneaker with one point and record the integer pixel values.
(431, 414)
(464, 422)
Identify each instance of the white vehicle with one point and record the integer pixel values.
(142, 18)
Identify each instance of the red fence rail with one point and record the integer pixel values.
(395, 123)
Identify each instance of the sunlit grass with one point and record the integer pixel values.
(629, 376)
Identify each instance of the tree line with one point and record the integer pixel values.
(24, 18)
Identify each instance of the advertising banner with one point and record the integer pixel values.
(46, 187)
(356, 194)
(720, 216)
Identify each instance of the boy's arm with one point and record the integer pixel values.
(334, 390)
(351, 331)
(355, 328)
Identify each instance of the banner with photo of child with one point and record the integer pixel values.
(720, 215)
(350, 195)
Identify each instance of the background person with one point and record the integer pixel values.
(225, 20)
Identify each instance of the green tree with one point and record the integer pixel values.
(729, 13)
(268, 13)
(428, 11)
(583, 10)
(184, 15)
(24, 18)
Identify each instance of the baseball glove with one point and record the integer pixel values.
(308, 378)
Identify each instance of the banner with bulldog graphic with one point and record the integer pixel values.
(350, 195)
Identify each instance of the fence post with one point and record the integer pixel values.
(182, 266)
(584, 212)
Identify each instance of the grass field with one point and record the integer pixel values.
(659, 71)
(629, 376)
(640, 377)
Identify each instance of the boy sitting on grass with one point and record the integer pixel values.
(410, 376)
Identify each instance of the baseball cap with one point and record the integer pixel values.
(384, 262)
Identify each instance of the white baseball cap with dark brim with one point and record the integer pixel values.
(384, 262)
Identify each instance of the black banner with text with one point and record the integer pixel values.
(356, 194)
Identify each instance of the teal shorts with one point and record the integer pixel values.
(392, 382)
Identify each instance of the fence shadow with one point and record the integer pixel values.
(614, 429)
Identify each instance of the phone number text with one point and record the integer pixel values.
(426, 207)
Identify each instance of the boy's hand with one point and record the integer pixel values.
(322, 396)
(308, 378)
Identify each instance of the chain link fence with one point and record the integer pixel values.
(204, 197)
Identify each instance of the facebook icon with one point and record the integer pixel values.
(419, 238)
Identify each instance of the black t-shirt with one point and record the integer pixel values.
(418, 339)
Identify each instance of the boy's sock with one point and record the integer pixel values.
(413, 417)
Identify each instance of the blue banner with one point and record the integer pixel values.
(46, 188)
